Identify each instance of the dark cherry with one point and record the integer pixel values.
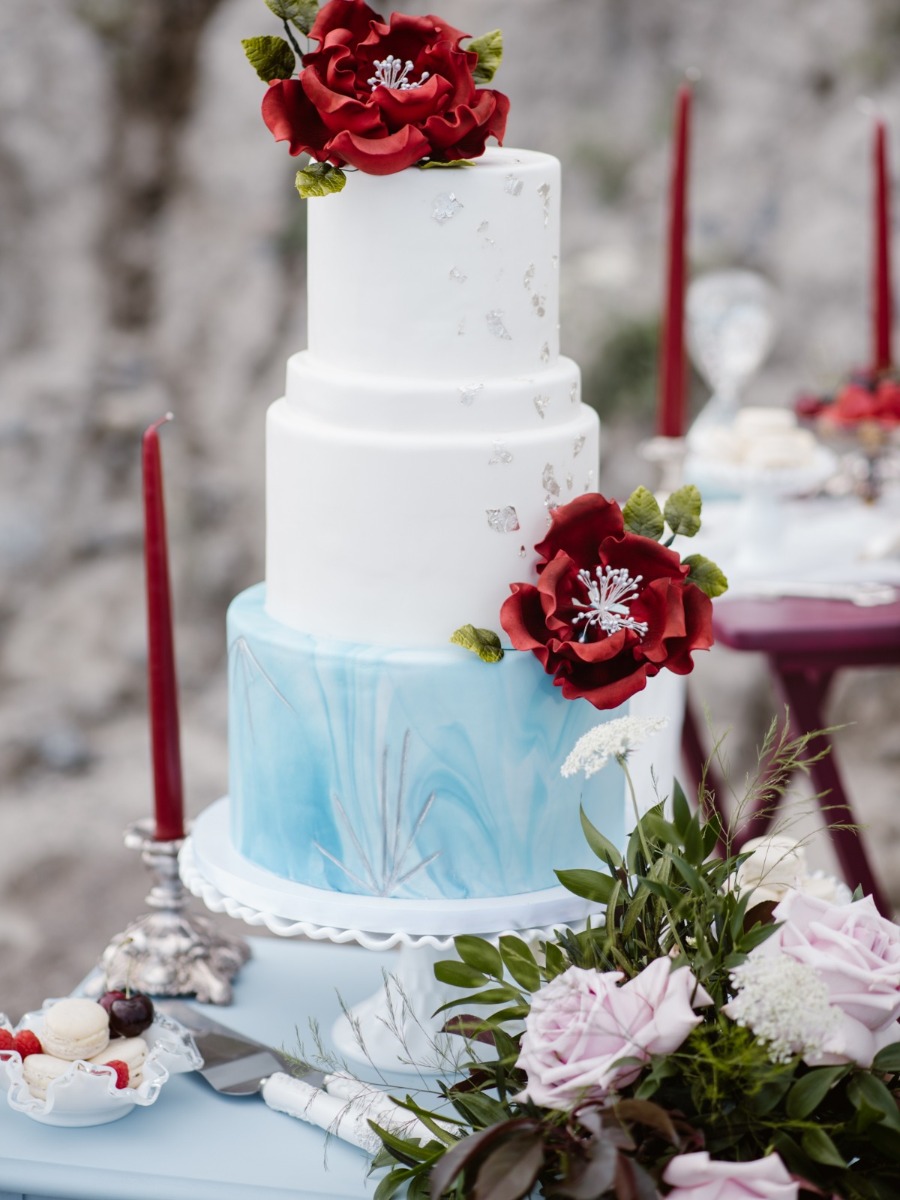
(129, 1013)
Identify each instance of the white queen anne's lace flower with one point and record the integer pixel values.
(785, 1004)
(611, 739)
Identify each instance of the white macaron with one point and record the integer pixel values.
(131, 1051)
(75, 1028)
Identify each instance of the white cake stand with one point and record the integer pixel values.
(394, 1030)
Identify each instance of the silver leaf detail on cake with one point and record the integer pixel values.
(503, 520)
(578, 445)
(539, 305)
(545, 353)
(548, 480)
(528, 278)
(573, 396)
(513, 185)
(457, 275)
(445, 206)
(500, 454)
(544, 193)
(468, 393)
(540, 404)
(495, 324)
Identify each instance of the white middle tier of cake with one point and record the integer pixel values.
(399, 509)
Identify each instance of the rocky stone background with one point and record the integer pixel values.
(151, 258)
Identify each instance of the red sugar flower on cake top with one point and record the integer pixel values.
(612, 605)
(383, 96)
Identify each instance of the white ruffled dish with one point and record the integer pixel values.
(86, 1094)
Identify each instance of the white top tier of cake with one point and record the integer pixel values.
(459, 278)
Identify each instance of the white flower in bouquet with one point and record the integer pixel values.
(611, 739)
(786, 1005)
(776, 866)
(586, 1028)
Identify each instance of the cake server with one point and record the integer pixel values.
(236, 1065)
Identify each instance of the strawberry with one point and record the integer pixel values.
(6, 1039)
(121, 1070)
(26, 1042)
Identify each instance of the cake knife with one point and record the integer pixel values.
(235, 1065)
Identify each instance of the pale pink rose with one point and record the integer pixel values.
(582, 1024)
(699, 1177)
(856, 953)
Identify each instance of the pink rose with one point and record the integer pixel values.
(699, 1177)
(856, 953)
(583, 1024)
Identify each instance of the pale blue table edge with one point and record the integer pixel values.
(218, 1148)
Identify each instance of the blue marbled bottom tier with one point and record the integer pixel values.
(422, 774)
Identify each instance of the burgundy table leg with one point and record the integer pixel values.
(801, 692)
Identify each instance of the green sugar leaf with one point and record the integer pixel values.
(489, 48)
(270, 57)
(319, 179)
(682, 511)
(643, 515)
(300, 13)
(483, 642)
(706, 575)
(592, 885)
(454, 162)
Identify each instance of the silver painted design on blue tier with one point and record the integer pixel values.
(309, 723)
(503, 520)
(445, 207)
(394, 870)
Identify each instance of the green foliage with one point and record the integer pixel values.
(319, 179)
(430, 163)
(489, 48)
(483, 642)
(271, 57)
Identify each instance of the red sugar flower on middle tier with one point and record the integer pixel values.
(611, 607)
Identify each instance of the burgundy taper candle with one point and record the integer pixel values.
(882, 300)
(165, 739)
(671, 411)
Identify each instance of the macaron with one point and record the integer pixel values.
(39, 1071)
(75, 1028)
(131, 1051)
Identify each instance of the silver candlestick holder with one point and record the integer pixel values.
(168, 952)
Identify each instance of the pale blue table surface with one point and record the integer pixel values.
(194, 1144)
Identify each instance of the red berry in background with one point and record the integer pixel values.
(130, 1013)
(6, 1040)
(121, 1070)
(27, 1043)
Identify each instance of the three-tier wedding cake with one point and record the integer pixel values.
(428, 439)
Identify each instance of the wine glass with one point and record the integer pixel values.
(730, 331)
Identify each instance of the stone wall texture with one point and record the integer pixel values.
(151, 259)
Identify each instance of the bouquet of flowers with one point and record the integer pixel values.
(727, 1030)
